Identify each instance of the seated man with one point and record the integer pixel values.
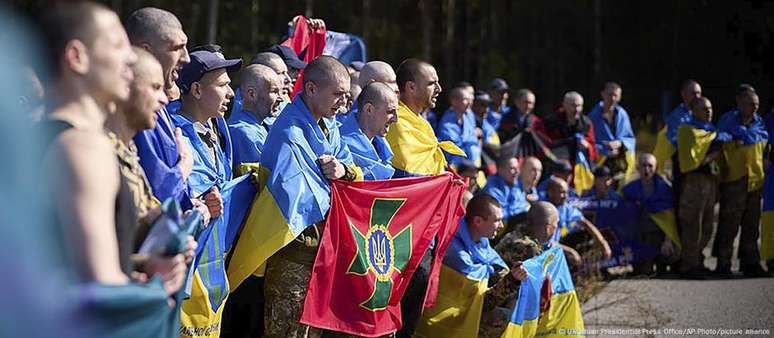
(458, 125)
(654, 196)
(603, 186)
(531, 171)
(487, 133)
(504, 187)
(472, 274)
(261, 97)
(363, 131)
(564, 171)
(523, 118)
(574, 232)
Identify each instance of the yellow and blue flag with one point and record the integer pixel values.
(663, 150)
(296, 194)
(694, 141)
(621, 130)
(743, 155)
(415, 147)
(659, 205)
(767, 218)
(547, 304)
(583, 175)
(209, 288)
(464, 279)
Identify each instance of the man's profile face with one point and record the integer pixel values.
(611, 96)
(427, 87)
(557, 194)
(147, 96)
(214, 93)
(461, 102)
(526, 103)
(481, 109)
(489, 225)
(749, 105)
(110, 59)
(383, 115)
(268, 96)
(172, 55)
(573, 106)
(703, 111)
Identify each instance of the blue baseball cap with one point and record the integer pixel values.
(203, 61)
(288, 55)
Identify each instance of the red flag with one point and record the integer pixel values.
(375, 237)
(307, 42)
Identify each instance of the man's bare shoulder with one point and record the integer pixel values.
(84, 154)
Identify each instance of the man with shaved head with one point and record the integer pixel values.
(91, 59)
(363, 130)
(304, 142)
(274, 61)
(373, 71)
(458, 125)
(261, 97)
(167, 161)
(412, 139)
(521, 118)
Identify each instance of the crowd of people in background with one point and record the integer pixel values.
(135, 119)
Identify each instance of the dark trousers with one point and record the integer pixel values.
(243, 314)
(739, 209)
(413, 300)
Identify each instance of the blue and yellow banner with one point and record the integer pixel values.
(547, 304)
(659, 205)
(295, 195)
(767, 217)
(583, 175)
(743, 154)
(693, 142)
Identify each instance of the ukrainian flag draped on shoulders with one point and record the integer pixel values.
(666, 139)
(659, 205)
(209, 288)
(548, 305)
(462, 133)
(415, 147)
(743, 154)
(374, 157)
(621, 129)
(694, 140)
(296, 193)
(464, 279)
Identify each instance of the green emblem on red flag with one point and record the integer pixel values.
(380, 252)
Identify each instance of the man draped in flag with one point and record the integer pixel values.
(302, 153)
(697, 150)
(654, 196)
(506, 186)
(458, 125)
(572, 139)
(666, 139)
(613, 132)
(472, 271)
(741, 184)
(417, 152)
(363, 131)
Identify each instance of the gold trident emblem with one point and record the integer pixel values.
(380, 254)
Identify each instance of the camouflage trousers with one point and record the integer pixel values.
(696, 216)
(738, 209)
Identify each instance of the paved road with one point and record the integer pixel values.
(663, 307)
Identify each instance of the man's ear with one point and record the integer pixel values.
(146, 46)
(310, 88)
(250, 93)
(75, 57)
(196, 90)
(410, 86)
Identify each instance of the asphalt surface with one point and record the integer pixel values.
(677, 308)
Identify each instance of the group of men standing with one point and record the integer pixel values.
(137, 120)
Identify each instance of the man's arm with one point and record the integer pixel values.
(165, 180)
(86, 183)
(592, 229)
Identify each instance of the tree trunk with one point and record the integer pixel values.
(212, 21)
(450, 49)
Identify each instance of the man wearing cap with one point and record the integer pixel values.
(416, 149)
(294, 64)
(204, 84)
(487, 133)
(363, 131)
(498, 90)
(164, 156)
(261, 100)
(458, 125)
